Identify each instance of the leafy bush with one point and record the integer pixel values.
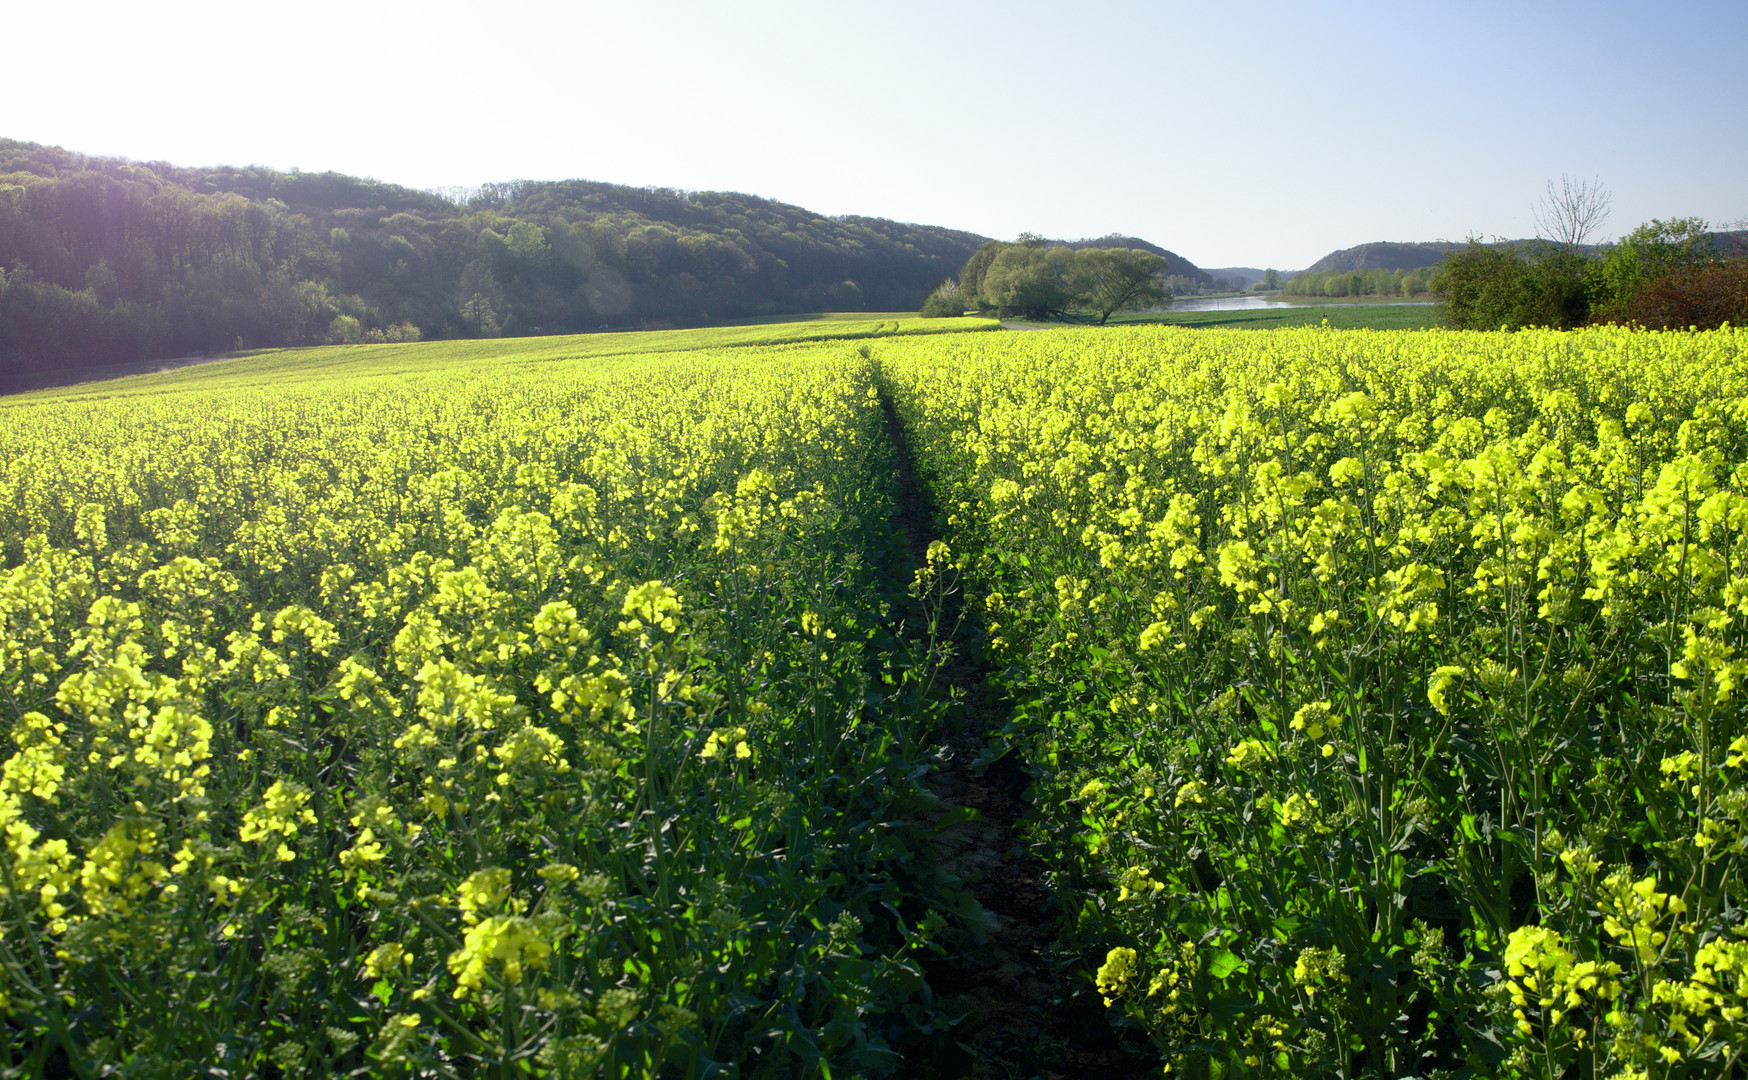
(1500, 288)
(1034, 280)
(1698, 297)
(399, 332)
(1644, 255)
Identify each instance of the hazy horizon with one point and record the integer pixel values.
(1263, 138)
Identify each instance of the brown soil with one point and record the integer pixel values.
(1025, 1008)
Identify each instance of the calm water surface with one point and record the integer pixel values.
(1243, 303)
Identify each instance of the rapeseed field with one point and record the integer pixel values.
(560, 708)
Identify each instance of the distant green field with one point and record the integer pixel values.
(324, 362)
(1340, 316)
(822, 316)
(1364, 300)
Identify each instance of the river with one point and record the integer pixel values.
(1243, 303)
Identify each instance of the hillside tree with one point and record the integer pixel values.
(481, 300)
(971, 274)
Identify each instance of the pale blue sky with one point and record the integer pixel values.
(1261, 134)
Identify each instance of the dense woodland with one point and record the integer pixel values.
(1384, 255)
(107, 261)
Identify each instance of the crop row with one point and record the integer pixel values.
(1383, 691)
(523, 720)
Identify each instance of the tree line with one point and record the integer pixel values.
(104, 260)
(1665, 274)
(1360, 283)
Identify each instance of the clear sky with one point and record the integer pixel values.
(1254, 134)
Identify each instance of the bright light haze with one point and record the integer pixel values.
(1255, 134)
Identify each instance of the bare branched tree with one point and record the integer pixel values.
(1569, 214)
(1735, 238)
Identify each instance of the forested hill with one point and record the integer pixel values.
(105, 261)
(1175, 264)
(1384, 256)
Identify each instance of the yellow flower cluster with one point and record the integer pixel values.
(283, 807)
(1116, 972)
(718, 742)
(498, 935)
(1543, 974)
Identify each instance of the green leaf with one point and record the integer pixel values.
(1470, 833)
(1226, 963)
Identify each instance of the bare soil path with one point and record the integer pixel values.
(1025, 1011)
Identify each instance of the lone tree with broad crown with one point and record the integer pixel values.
(1118, 279)
(1032, 282)
(1035, 278)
